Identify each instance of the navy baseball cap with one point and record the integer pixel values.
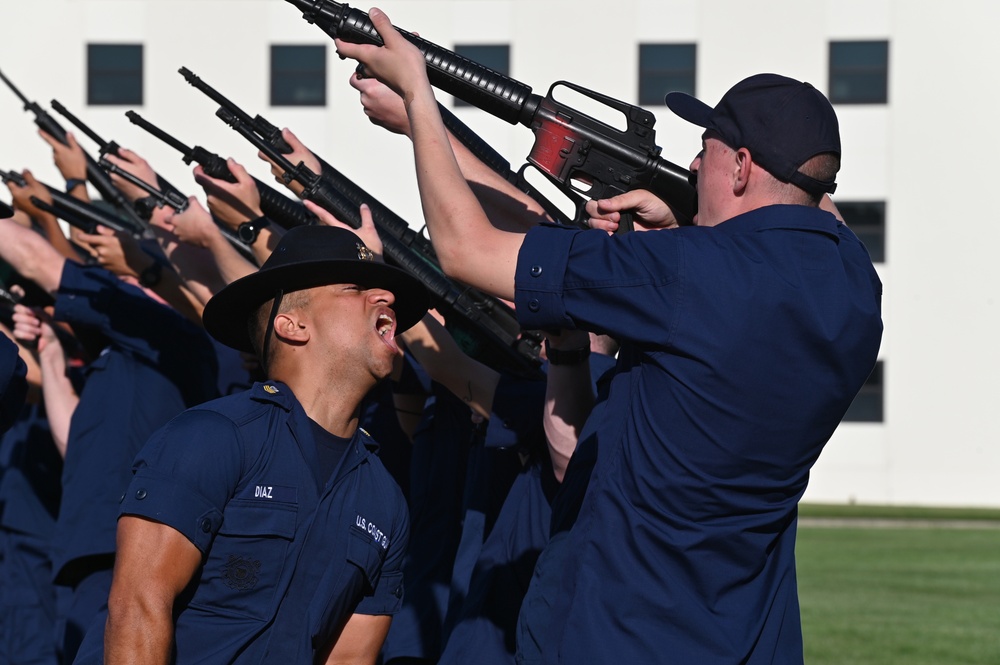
(781, 121)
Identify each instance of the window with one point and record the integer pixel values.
(665, 68)
(298, 75)
(867, 220)
(114, 74)
(867, 406)
(494, 56)
(859, 72)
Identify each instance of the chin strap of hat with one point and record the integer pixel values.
(269, 330)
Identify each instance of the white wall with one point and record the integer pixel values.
(928, 153)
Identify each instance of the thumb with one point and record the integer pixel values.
(237, 170)
(104, 231)
(383, 25)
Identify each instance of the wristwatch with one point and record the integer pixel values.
(73, 183)
(566, 356)
(249, 230)
(150, 276)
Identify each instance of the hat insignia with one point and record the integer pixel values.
(270, 390)
(364, 253)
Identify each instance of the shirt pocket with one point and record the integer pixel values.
(245, 570)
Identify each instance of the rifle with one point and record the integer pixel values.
(73, 211)
(98, 178)
(271, 133)
(275, 205)
(571, 148)
(493, 322)
(105, 147)
(174, 199)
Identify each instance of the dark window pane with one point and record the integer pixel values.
(298, 75)
(665, 68)
(867, 220)
(494, 56)
(114, 74)
(859, 72)
(867, 407)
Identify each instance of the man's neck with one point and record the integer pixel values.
(333, 405)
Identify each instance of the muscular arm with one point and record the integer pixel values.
(153, 564)
(507, 207)
(31, 255)
(465, 377)
(360, 640)
(569, 399)
(468, 246)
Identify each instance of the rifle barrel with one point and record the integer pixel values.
(79, 124)
(136, 119)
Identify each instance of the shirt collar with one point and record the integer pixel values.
(790, 217)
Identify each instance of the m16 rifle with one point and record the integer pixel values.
(576, 151)
(97, 177)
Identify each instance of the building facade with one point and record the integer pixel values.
(904, 76)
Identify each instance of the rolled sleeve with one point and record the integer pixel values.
(539, 277)
(186, 473)
(162, 499)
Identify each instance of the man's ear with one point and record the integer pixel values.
(742, 165)
(289, 327)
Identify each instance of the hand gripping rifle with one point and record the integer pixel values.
(275, 205)
(98, 178)
(174, 199)
(105, 147)
(73, 211)
(325, 188)
(571, 148)
(488, 324)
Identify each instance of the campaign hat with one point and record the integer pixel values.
(307, 257)
(781, 121)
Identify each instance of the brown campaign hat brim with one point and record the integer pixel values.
(302, 265)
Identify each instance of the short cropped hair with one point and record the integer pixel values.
(257, 322)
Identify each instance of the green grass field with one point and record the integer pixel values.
(881, 596)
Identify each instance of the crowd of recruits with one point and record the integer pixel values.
(668, 531)
(477, 488)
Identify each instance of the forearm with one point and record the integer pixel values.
(31, 255)
(507, 207)
(54, 234)
(230, 263)
(446, 364)
(60, 397)
(138, 631)
(197, 267)
(462, 233)
(569, 399)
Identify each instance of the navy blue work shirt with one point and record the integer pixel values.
(12, 383)
(286, 560)
(743, 346)
(30, 466)
(156, 364)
